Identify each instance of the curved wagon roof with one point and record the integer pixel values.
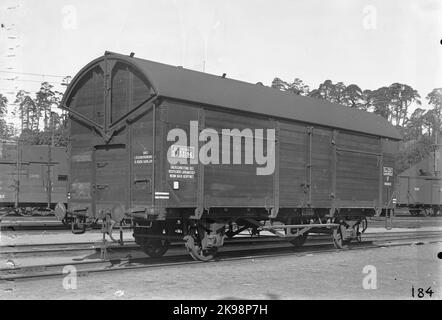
(202, 88)
(431, 166)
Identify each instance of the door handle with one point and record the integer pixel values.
(141, 181)
(146, 181)
(102, 164)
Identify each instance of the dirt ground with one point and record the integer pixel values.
(390, 273)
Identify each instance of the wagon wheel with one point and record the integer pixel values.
(360, 228)
(364, 224)
(24, 212)
(44, 212)
(338, 239)
(197, 252)
(155, 248)
(194, 247)
(5, 211)
(60, 211)
(299, 241)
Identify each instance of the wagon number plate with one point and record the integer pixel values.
(388, 171)
(182, 152)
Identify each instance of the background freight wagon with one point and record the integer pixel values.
(419, 188)
(331, 162)
(24, 181)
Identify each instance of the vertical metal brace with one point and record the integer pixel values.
(310, 164)
(108, 67)
(200, 183)
(49, 182)
(275, 210)
(154, 153)
(94, 182)
(162, 146)
(161, 158)
(92, 149)
(333, 178)
(129, 139)
(381, 181)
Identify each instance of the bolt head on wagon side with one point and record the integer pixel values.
(188, 156)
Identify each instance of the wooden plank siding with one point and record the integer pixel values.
(33, 176)
(88, 99)
(357, 175)
(233, 184)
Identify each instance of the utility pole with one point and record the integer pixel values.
(436, 155)
(436, 152)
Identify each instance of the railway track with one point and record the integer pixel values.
(233, 250)
(38, 249)
(49, 248)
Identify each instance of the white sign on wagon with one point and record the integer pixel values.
(388, 171)
(182, 152)
(143, 159)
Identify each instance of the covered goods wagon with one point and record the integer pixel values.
(188, 155)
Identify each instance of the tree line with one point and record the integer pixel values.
(420, 129)
(38, 123)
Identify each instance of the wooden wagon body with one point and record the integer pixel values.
(29, 179)
(325, 160)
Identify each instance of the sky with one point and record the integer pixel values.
(370, 43)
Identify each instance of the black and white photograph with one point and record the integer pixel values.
(217, 157)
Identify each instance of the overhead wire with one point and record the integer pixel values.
(29, 80)
(33, 74)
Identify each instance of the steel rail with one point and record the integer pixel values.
(86, 246)
(40, 248)
(119, 264)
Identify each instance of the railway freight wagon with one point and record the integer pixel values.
(187, 155)
(29, 181)
(419, 188)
